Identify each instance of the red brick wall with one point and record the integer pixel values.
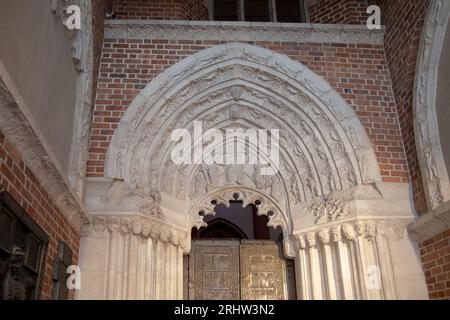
(99, 8)
(404, 23)
(339, 12)
(436, 263)
(128, 66)
(161, 9)
(25, 188)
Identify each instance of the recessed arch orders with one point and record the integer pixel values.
(324, 147)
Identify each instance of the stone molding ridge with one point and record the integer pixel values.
(431, 224)
(17, 130)
(429, 151)
(351, 230)
(242, 31)
(137, 225)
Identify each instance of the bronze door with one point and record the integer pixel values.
(263, 271)
(214, 270)
(233, 269)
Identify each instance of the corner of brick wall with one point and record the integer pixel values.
(435, 254)
(20, 182)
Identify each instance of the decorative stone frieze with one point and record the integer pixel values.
(242, 31)
(14, 125)
(141, 226)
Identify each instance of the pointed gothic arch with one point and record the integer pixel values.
(426, 128)
(324, 147)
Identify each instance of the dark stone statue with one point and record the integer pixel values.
(15, 282)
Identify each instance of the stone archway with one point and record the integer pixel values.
(429, 98)
(324, 148)
(328, 185)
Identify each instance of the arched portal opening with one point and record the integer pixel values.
(237, 222)
(236, 255)
(327, 175)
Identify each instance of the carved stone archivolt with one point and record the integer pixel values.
(426, 129)
(17, 129)
(323, 146)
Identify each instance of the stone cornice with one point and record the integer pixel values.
(242, 31)
(431, 224)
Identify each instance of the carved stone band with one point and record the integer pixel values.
(351, 231)
(138, 226)
(242, 31)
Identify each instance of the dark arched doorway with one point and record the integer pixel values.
(238, 257)
(236, 222)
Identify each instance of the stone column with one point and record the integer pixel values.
(385, 263)
(314, 266)
(352, 260)
(345, 269)
(355, 257)
(139, 258)
(324, 237)
(302, 270)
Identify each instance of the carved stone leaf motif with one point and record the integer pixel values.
(149, 203)
(144, 227)
(332, 207)
(223, 196)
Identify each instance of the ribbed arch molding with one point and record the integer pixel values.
(324, 149)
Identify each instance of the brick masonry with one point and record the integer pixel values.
(358, 72)
(99, 9)
(160, 9)
(24, 187)
(404, 23)
(436, 264)
(339, 12)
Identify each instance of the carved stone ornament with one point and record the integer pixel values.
(429, 151)
(330, 208)
(238, 86)
(149, 203)
(81, 44)
(350, 231)
(17, 129)
(148, 200)
(145, 227)
(242, 31)
(76, 38)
